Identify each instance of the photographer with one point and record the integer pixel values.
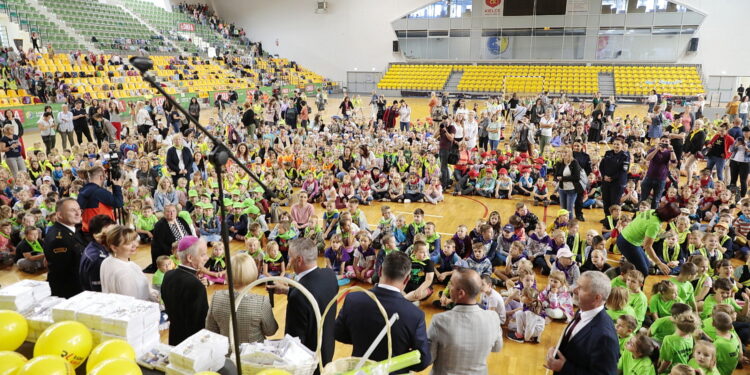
(658, 170)
(446, 137)
(94, 199)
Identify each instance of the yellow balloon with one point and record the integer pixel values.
(116, 366)
(69, 340)
(206, 373)
(273, 371)
(46, 365)
(108, 350)
(10, 362)
(13, 330)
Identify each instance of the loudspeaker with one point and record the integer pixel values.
(395, 46)
(693, 46)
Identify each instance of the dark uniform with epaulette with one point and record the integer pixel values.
(63, 249)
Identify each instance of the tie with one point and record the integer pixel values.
(571, 328)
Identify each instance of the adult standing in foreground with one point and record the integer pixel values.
(63, 246)
(183, 293)
(323, 285)
(462, 338)
(589, 343)
(359, 321)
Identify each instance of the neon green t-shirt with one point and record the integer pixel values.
(639, 303)
(661, 307)
(646, 224)
(727, 353)
(709, 329)
(619, 281)
(157, 278)
(614, 314)
(685, 291)
(662, 328)
(676, 349)
(146, 223)
(692, 363)
(635, 366)
(710, 302)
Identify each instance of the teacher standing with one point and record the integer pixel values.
(589, 344)
(636, 242)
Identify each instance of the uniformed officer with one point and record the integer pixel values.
(63, 246)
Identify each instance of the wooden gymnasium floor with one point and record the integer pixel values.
(515, 358)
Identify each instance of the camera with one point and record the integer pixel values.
(112, 163)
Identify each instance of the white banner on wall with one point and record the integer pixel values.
(493, 8)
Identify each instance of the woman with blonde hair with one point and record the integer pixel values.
(254, 315)
(118, 273)
(165, 195)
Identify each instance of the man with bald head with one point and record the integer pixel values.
(462, 338)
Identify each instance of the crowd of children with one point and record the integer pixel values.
(317, 175)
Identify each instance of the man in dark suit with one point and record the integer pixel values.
(589, 344)
(359, 321)
(323, 285)
(63, 246)
(183, 294)
(179, 159)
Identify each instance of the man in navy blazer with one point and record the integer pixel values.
(359, 321)
(589, 344)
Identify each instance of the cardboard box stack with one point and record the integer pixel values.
(203, 351)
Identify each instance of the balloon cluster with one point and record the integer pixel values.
(60, 349)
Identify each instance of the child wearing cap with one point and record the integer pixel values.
(565, 263)
(504, 185)
(237, 222)
(525, 184)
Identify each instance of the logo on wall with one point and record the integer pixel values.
(496, 46)
(493, 7)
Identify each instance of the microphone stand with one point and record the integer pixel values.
(219, 156)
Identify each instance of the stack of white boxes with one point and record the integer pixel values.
(203, 351)
(113, 316)
(39, 317)
(23, 295)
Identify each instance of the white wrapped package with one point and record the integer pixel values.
(171, 369)
(132, 319)
(93, 314)
(39, 316)
(203, 351)
(69, 309)
(23, 294)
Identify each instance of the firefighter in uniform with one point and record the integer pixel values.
(63, 246)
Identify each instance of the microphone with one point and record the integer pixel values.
(143, 64)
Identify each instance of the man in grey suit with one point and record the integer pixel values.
(461, 339)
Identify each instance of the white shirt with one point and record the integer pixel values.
(547, 132)
(459, 130)
(586, 318)
(126, 278)
(494, 302)
(66, 121)
(303, 274)
(404, 114)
